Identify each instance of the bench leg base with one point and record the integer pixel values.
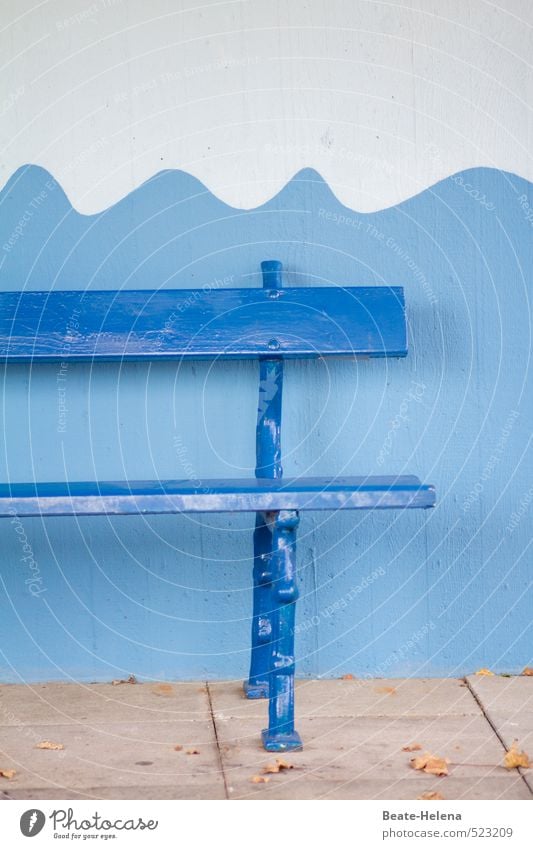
(256, 690)
(279, 741)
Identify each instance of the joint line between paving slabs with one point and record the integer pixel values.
(496, 732)
(219, 753)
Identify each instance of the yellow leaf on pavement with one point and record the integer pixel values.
(7, 773)
(279, 766)
(431, 764)
(515, 758)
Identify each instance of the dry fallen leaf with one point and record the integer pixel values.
(259, 779)
(271, 768)
(47, 744)
(436, 766)
(527, 671)
(348, 677)
(7, 773)
(279, 766)
(412, 747)
(390, 691)
(192, 752)
(162, 690)
(430, 794)
(131, 680)
(419, 762)
(431, 764)
(484, 672)
(514, 758)
(178, 748)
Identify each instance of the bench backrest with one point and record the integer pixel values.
(272, 322)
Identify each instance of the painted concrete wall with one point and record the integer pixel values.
(359, 143)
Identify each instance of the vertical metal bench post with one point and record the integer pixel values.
(275, 591)
(268, 465)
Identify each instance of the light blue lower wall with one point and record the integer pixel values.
(438, 593)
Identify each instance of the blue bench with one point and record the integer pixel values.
(270, 325)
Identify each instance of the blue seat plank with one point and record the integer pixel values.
(195, 324)
(213, 496)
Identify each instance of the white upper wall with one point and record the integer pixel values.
(383, 98)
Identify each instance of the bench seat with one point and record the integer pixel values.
(213, 496)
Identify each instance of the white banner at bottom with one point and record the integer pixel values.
(294, 824)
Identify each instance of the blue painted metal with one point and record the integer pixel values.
(213, 496)
(268, 465)
(256, 686)
(281, 735)
(196, 324)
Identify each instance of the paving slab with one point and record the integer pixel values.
(117, 755)
(344, 756)
(281, 787)
(120, 740)
(512, 697)
(508, 704)
(60, 703)
(201, 790)
(356, 697)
